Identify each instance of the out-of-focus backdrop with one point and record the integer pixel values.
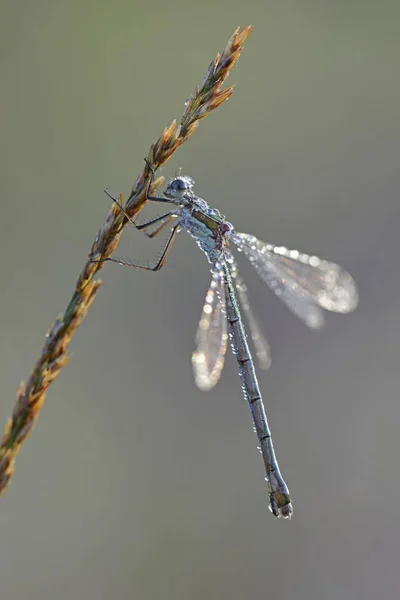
(134, 483)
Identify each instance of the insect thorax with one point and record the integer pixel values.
(208, 227)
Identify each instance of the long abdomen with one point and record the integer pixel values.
(280, 502)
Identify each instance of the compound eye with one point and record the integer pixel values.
(179, 185)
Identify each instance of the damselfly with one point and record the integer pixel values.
(305, 283)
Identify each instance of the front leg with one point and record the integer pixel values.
(148, 195)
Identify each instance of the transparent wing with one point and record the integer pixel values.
(305, 283)
(261, 345)
(212, 337)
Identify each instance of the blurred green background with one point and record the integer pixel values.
(134, 483)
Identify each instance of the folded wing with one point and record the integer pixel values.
(262, 348)
(305, 283)
(212, 337)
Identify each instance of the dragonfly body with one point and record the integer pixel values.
(305, 283)
(212, 234)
